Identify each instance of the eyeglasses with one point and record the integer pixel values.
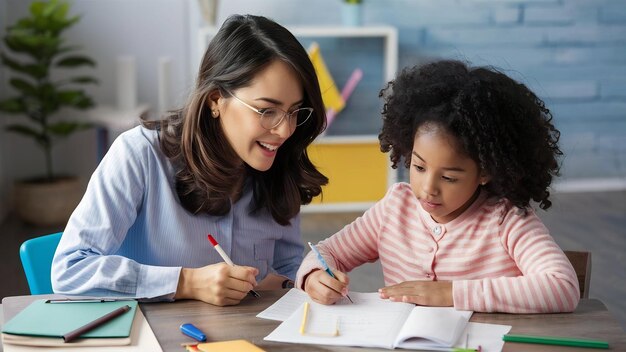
(273, 117)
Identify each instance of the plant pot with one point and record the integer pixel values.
(47, 203)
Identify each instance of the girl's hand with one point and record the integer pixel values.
(219, 284)
(423, 293)
(322, 288)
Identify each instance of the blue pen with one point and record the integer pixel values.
(193, 332)
(324, 264)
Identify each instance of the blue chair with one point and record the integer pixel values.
(36, 255)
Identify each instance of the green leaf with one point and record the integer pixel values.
(67, 97)
(41, 46)
(34, 70)
(37, 8)
(24, 87)
(84, 80)
(73, 61)
(65, 128)
(12, 106)
(74, 98)
(67, 49)
(24, 130)
(49, 9)
(84, 102)
(12, 63)
(60, 11)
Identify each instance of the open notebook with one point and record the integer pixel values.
(374, 322)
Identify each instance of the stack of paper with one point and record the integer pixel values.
(43, 324)
(374, 322)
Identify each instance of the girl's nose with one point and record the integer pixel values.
(429, 186)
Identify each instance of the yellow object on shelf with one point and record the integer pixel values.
(330, 93)
(359, 173)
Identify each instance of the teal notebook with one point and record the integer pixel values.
(41, 319)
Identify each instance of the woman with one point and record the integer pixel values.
(232, 162)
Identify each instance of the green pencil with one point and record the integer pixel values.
(561, 341)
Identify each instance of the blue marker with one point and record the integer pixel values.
(193, 332)
(324, 264)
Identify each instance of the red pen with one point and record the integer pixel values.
(224, 256)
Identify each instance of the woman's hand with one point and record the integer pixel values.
(271, 282)
(423, 293)
(325, 289)
(219, 284)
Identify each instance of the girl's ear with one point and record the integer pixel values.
(215, 101)
(484, 179)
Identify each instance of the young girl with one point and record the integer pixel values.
(232, 162)
(479, 146)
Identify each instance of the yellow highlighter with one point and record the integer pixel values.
(305, 315)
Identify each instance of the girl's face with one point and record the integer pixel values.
(276, 86)
(444, 181)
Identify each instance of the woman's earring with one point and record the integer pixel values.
(215, 113)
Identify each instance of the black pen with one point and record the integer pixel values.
(72, 335)
(79, 300)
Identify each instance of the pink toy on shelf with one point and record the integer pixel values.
(346, 92)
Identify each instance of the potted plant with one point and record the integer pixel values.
(34, 49)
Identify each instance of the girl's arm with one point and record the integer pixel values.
(548, 282)
(354, 245)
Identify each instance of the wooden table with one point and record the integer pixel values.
(590, 320)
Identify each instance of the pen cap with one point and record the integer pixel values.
(193, 332)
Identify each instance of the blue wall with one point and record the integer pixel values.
(572, 53)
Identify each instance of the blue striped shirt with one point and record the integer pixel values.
(130, 237)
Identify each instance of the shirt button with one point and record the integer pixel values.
(437, 230)
(428, 276)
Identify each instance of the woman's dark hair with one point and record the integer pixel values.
(209, 170)
(499, 123)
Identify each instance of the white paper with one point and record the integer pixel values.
(374, 322)
(363, 323)
(427, 323)
(292, 300)
(126, 87)
(285, 306)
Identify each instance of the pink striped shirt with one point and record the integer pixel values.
(498, 260)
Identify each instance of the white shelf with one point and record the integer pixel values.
(387, 33)
(336, 207)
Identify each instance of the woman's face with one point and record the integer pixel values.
(276, 86)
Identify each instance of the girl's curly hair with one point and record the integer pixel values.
(499, 123)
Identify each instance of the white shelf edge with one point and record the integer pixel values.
(590, 185)
(336, 207)
(341, 31)
(347, 139)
